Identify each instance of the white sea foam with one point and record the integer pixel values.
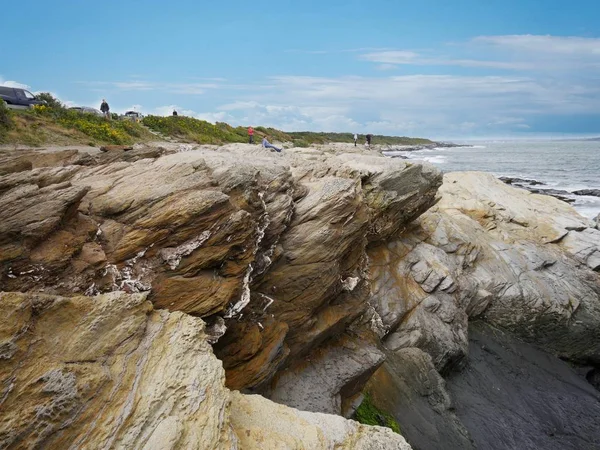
(437, 159)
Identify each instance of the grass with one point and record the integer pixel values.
(368, 414)
(323, 138)
(202, 132)
(54, 124)
(193, 130)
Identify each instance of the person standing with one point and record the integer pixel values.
(267, 144)
(369, 137)
(250, 135)
(105, 109)
(175, 112)
(355, 139)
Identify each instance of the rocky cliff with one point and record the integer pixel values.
(270, 249)
(304, 270)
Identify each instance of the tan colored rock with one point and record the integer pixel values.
(107, 372)
(263, 425)
(110, 372)
(253, 236)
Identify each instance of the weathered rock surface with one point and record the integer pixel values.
(107, 372)
(263, 425)
(409, 387)
(522, 261)
(111, 372)
(273, 243)
(309, 266)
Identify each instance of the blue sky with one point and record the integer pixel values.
(469, 69)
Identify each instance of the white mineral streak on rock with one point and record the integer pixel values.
(269, 301)
(261, 228)
(136, 258)
(172, 256)
(350, 283)
(245, 298)
(376, 323)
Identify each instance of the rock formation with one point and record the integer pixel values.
(269, 248)
(315, 271)
(522, 262)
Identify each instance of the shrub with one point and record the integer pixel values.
(368, 414)
(5, 117)
(301, 143)
(194, 130)
(50, 101)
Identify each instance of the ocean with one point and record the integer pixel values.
(562, 165)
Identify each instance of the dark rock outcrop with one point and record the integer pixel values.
(591, 192)
(513, 395)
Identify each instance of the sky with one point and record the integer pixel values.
(438, 69)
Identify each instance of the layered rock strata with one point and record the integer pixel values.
(269, 247)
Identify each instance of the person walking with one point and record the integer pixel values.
(355, 139)
(250, 135)
(369, 137)
(105, 109)
(267, 144)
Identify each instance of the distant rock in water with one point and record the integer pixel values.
(514, 180)
(591, 192)
(527, 184)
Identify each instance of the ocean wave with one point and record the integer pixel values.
(437, 159)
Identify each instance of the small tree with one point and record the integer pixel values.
(50, 101)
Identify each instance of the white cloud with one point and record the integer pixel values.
(389, 59)
(173, 88)
(414, 104)
(167, 110)
(13, 84)
(556, 45)
(513, 52)
(386, 67)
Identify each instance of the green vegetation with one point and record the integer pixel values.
(368, 414)
(323, 138)
(52, 123)
(202, 132)
(194, 130)
(5, 117)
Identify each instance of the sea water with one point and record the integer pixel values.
(564, 165)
